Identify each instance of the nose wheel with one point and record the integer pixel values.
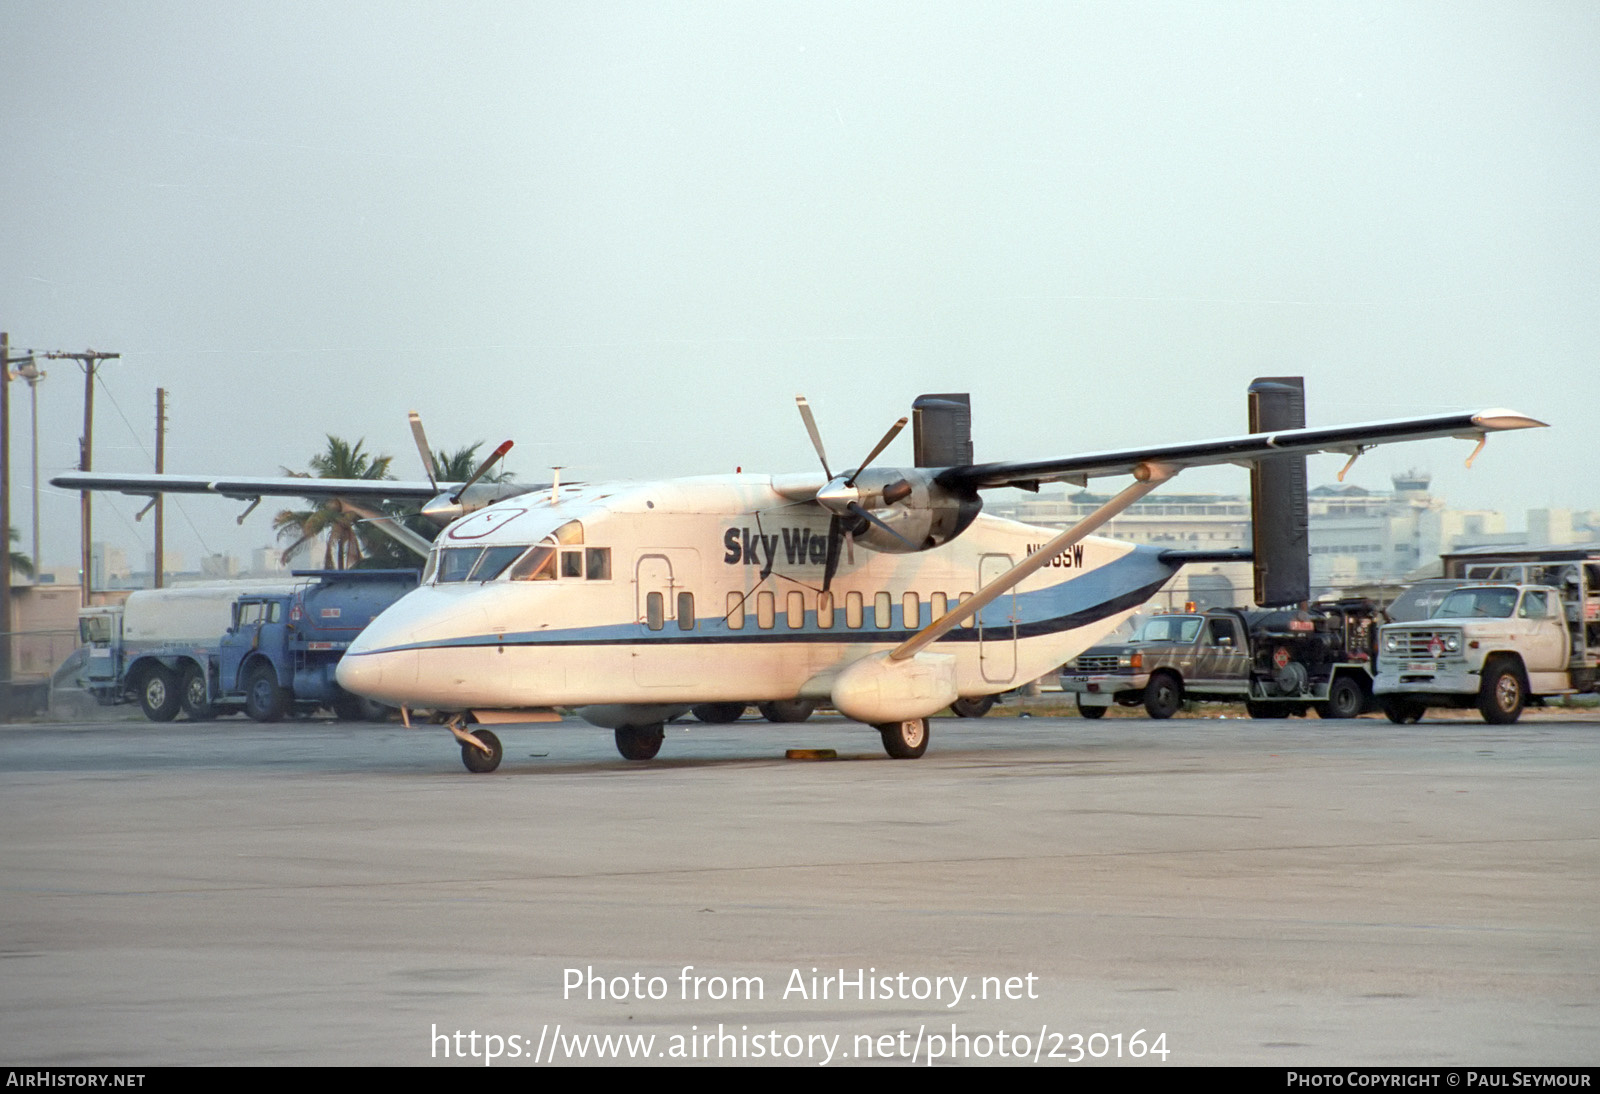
(480, 748)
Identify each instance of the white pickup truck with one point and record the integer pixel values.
(1497, 646)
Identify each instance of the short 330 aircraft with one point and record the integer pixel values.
(885, 592)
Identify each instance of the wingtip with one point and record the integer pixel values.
(1500, 418)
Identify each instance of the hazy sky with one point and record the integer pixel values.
(625, 235)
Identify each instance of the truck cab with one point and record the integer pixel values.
(100, 634)
(1497, 646)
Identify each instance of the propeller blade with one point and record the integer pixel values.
(860, 511)
(391, 527)
(835, 534)
(894, 431)
(505, 446)
(811, 428)
(423, 449)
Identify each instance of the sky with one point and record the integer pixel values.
(626, 235)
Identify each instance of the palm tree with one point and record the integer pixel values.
(20, 563)
(344, 539)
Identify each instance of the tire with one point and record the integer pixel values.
(975, 707)
(1267, 710)
(1503, 694)
(1345, 699)
(264, 699)
(351, 708)
(1163, 696)
(159, 697)
(905, 740)
(1402, 711)
(476, 760)
(193, 697)
(640, 742)
(787, 710)
(718, 714)
(1090, 712)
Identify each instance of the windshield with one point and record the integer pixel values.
(1168, 628)
(1420, 601)
(1467, 603)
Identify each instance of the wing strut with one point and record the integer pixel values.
(1149, 476)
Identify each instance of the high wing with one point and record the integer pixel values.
(288, 486)
(1350, 440)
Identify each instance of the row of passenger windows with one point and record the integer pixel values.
(855, 613)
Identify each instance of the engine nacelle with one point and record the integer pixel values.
(909, 501)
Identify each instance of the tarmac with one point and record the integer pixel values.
(1042, 890)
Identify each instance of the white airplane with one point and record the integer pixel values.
(885, 592)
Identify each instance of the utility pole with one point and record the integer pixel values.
(161, 440)
(5, 523)
(89, 361)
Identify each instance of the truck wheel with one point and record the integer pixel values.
(718, 714)
(158, 694)
(1345, 699)
(640, 742)
(975, 707)
(1267, 710)
(787, 710)
(1501, 698)
(194, 700)
(1090, 712)
(264, 700)
(1402, 711)
(478, 761)
(905, 740)
(1163, 696)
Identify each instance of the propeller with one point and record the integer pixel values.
(842, 498)
(423, 449)
(483, 469)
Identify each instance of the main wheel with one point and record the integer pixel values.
(1503, 694)
(1345, 699)
(1090, 712)
(1402, 711)
(1163, 696)
(159, 697)
(975, 707)
(195, 704)
(787, 710)
(905, 740)
(640, 742)
(478, 761)
(717, 714)
(264, 700)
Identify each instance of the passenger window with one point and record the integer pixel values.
(972, 619)
(571, 563)
(766, 610)
(539, 564)
(686, 611)
(911, 611)
(796, 611)
(654, 611)
(1533, 605)
(882, 604)
(825, 611)
(938, 604)
(1221, 632)
(736, 611)
(853, 613)
(598, 561)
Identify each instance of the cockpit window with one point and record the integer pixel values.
(455, 563)
(494, 562)
(570, 534)
(539, 564)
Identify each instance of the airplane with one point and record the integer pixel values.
(884, 592)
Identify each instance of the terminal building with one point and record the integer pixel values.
(1359, 538)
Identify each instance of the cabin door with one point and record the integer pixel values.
(997, 625)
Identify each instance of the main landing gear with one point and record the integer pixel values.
(905, 740)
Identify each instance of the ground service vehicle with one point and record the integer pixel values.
(278, 653)
(1277, 663)
(1531, 632)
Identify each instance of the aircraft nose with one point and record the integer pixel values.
(387, 677)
